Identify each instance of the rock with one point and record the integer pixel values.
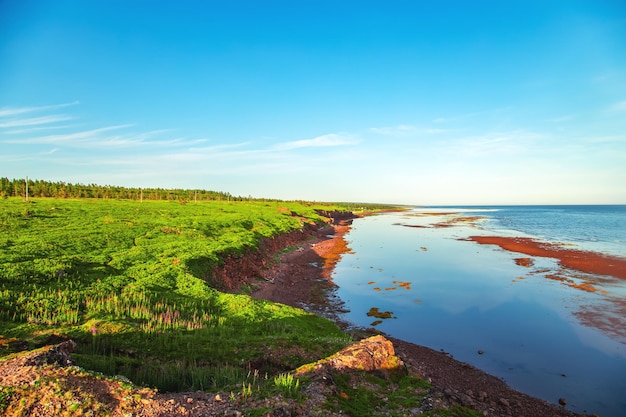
(59, 354)
(374, 354)
(504, 402)
(563, 401)
(337, 217)
(466, 400)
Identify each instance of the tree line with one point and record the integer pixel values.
(60, 189)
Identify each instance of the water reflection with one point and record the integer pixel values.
(464, 298)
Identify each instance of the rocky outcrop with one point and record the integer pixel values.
(338, 217)
(374, 354)
(58, 354)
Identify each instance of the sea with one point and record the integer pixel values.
(482, 306)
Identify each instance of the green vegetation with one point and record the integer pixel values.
(365, 394)
(60, 189)
(131, 282)
(27, 189)
(5, 395)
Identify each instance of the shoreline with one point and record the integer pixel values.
(303, 278)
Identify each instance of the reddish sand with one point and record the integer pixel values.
(589, 262)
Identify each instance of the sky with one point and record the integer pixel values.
(406, 102)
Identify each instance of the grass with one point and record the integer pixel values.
(5, 396)
(364, 394)
(131, 283)
(287, 384)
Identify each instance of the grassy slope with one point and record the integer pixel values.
(128, 282)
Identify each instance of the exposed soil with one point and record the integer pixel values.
(302, 278)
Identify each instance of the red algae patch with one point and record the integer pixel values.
(471, 220)
(585, 286)
(525, 262)
(555, 277)
(584, 261)
(375, 312)
(403, 284)
(442, 225)
(450, 222)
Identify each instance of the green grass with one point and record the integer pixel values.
(5, 395)
(131, 283)
(365, 394)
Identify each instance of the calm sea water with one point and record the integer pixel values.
(541, 336)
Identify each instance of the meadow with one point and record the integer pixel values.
(131, 283)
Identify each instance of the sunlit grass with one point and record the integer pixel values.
(130, 282)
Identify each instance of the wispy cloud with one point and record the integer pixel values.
(75, 137)
(34, 121)
(110, 137)
(13, 111)
(36, 129)
(331, 139)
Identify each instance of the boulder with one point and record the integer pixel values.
(374, 354)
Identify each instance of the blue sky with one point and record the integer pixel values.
(414, 102)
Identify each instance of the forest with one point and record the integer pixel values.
(59, 189)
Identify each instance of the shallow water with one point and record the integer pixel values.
(463, 298)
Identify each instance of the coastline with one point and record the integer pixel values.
(303, 278)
